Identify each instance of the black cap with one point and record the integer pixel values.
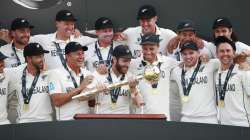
(19, 23)
(222, 22)
(150, 38)
(74, 46)
(103, 23)
(189, 45)
(65, 15)
(122, 51)
(2, 56)
(186, 25)
(146, 12)
(33, 49)
(223, 39)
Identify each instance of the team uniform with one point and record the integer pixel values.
(39, 105)
(239, 48)
(99, 55)
(201, 107)
(56, 47)
(134, 39)
(60, 81)
(15, 56)
(156, 100)
(236, 99)
(104, 101)
(3, 99)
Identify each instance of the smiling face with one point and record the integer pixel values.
(75, 58)
(21, 36)
(225, 53)
(149, 52)
(65, 28)
(121, 64)
(190, 57)
(148, 25)
(186, 36)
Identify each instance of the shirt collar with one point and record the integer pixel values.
(54, 39)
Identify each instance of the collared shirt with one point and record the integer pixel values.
(11, 61)
(202, 94)
(155, 102)
(237, 101)
(3, 98)
(134, 39)
(123, 103)
(39, 105)
(49, 42)
(61, 82)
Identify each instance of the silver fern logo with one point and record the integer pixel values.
(38, 4)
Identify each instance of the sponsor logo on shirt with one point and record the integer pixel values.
(200, 80)
(51, 86)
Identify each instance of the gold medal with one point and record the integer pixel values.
(221, 103)
(25, 107)
(113, 106)
(185, 99)
(155, 91)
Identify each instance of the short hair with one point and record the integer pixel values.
(222, 39)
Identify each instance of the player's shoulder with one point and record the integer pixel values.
(5, 49)
(39, 38)
(132, 30)
(166, 31)
(242, 45)
(15, 71)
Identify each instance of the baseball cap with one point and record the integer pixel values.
(103, 23)
(222, 22)
(19, 23)
(223, 39)
(189, 45)
(146, 12)
(185, 25)
(33, 49)
(2, 56)
(65, 15)
(122, 51)
(74, 46)
(150, 38)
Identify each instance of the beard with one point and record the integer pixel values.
(121, 69)
(38, 66)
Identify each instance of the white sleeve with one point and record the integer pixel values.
(215, 64)
(246, 81)
(85, 40)
(175, 102)
(54, 83)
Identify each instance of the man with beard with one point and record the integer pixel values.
(222, 26)
(30, 84)
(20, 33)
(120, 99)
(186, 31)
(3, 92)
(99, 54)
(155, 94)
(68, 81)
(233, 92)
(147, 17)
(56, 42)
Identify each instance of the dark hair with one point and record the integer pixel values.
(233, 36)
(222, 39)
